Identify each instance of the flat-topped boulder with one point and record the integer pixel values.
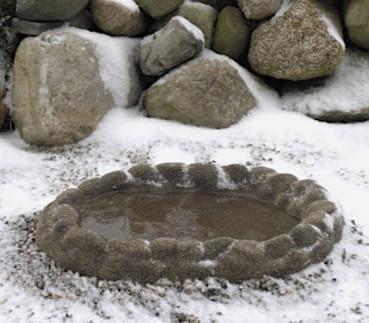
(209, 91)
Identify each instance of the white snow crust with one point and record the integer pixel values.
(337, 156)
(115, 55)
(347, 90)
(196, 31)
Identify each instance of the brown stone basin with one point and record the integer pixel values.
(183, 216)
(178, 221)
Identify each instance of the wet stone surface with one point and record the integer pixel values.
(182, 215)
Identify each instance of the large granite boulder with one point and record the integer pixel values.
(231, 34)
(118, 18)
(259, 9)
(65, 81)
(176, 43)
(159, 8)
(210, 91)
(342, 97)
(49, 10)
(357, 21)
(202, 16)
(301, 43)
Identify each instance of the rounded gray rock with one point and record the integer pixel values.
(177, 42)
(49, 10)
(118, 19)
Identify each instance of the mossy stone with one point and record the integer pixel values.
(232, 34)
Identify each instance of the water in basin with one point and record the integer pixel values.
(129, 215)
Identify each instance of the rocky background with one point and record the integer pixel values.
(65, 63)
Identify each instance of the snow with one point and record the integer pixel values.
(131, 4)
(115, 55)
(196, 31)
(333, 30)
(347, 90)
(335, 155)
(286, 4)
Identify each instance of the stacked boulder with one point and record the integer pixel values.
(65, 81)
(36, 16)
(190, 57)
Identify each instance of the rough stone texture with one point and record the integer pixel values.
(172, 172)
(297, 45)
(33, 28)
(171, 46)
(204, 176)
(159, 8)
(201, 15)
(231, 34)
(60, 235)
(56, 99)
(49, 10)
(207, 92)
(259, 9)
(118, 19)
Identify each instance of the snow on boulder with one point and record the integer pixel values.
(119, 17)
(202, 16)
(176, 43)
(344, 97)
(303, 41)
(66, 80)
(210, 91)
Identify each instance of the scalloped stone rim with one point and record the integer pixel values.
(320, 226)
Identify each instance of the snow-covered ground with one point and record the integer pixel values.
(337, 156)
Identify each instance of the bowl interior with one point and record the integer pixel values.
(128, 215)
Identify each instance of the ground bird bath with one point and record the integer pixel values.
(178, 221)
